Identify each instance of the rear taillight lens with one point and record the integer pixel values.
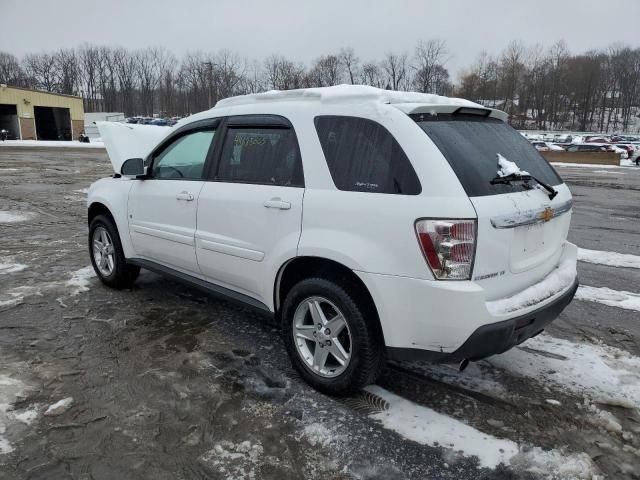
(448, 246)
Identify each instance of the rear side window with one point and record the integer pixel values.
(267, 156)
(471, 145)
(363, 156)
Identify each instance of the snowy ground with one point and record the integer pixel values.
(51, 143)
(163, 382)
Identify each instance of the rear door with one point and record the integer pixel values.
(250, 212)
(521, 232)
(162, 208)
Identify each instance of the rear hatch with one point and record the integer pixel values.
(521, 231)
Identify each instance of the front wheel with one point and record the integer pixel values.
(332, 341)
(107, 255)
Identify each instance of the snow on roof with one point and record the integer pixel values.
(346, 93)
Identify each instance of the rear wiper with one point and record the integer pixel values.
(525, 179)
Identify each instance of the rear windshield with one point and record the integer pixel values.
(471, 145)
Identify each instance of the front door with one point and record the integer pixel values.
(250, 215)
(162, 208)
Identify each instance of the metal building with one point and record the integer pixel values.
(36, 115)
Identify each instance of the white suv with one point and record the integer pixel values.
(371, 224)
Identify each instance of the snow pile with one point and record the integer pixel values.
(319, 435)
(554, 464)
(80, 280)
(583, 165)
(15, 296)
(10, 390)
(558, 280)
(609, 172)
(15, 217)
(604, 419)
(428, 427)
(234, 461)
(507, 167)
(603, 373)
(612, 298)
(78, 283)
(612, 259)
(59, 407)
(50, 143)
(6, 268)
(342, 93)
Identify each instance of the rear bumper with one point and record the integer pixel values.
(493, 338)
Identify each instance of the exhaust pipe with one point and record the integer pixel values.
(463, 364)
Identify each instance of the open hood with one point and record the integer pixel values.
(125, 140)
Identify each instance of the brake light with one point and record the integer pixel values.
(448, 247)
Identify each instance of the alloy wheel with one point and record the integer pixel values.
(103, 251)
(322, 336)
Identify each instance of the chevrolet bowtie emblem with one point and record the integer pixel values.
(546, 214)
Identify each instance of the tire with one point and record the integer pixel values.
(120, 274)
(364, 345)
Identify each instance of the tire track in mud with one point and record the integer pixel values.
(524, 416)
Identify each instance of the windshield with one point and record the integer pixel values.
(471, 145)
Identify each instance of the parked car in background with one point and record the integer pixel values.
(585, 147)
(421, 235)
(546, 146)
(597, 147)
(596, 139)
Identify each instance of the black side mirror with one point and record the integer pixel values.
(133, 167)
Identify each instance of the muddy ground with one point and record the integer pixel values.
(169, 383)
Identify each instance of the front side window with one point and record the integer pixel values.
(184, 158)
(363, 156)
(261, 155)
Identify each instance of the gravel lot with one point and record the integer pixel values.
(168, 383)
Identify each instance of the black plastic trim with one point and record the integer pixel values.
(215, 290)
(493, 338)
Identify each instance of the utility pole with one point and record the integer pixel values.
(210, 65)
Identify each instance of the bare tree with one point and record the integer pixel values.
(325, 72)
(395, 67)
(42, 69)
(11, 72)
(349, 61)
(512, 66)
(428, 63)
(370, 74)
(68, 72)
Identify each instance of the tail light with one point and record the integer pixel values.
(448, 246)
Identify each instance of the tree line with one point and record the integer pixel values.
(540, 88)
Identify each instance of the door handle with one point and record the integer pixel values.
(277, 203)
(186, 196)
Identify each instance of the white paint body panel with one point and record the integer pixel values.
(241, 245)
(161, 226)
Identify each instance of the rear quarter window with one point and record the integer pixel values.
(363, 156)
(471, 145)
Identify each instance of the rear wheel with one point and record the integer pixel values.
(331, 340)
(107, 255)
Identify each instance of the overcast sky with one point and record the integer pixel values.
(302, 30)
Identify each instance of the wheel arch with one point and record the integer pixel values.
(299, 268)
(99, 207)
